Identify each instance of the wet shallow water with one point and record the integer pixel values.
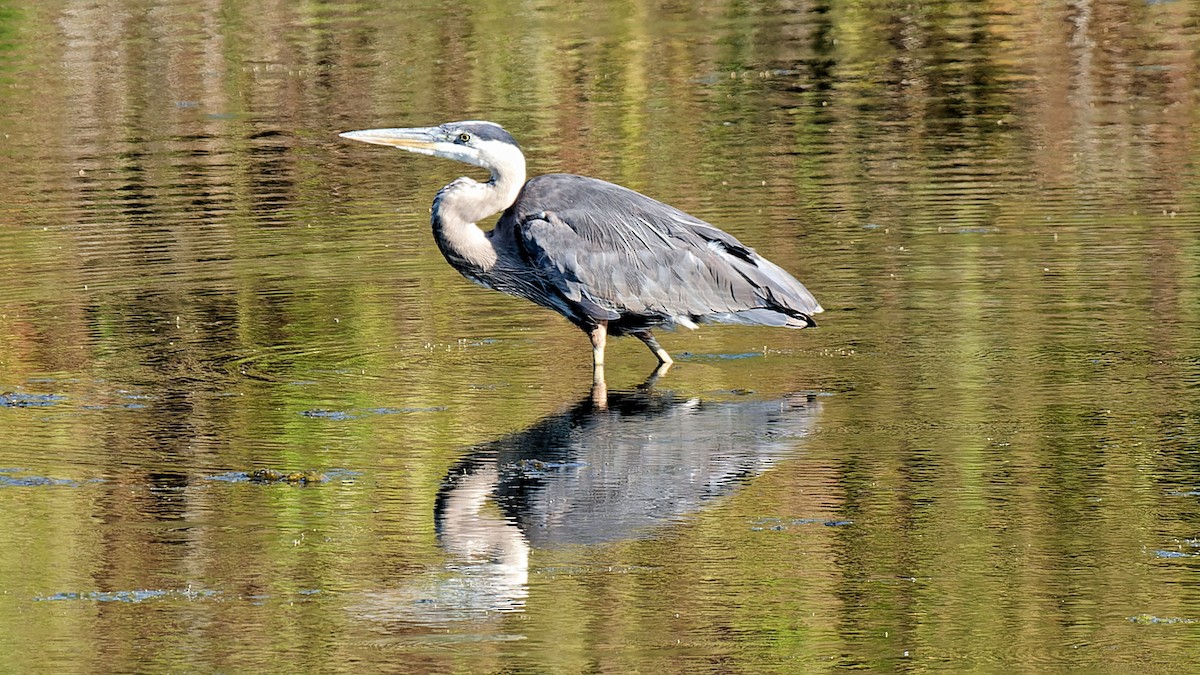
(985, 457)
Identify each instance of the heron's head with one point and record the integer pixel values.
(484, 144)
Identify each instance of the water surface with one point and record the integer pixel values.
(984, 458)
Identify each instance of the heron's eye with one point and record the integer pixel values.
(464, 137)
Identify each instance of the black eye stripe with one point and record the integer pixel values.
(477, 132)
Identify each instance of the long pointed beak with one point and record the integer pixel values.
(419, 139)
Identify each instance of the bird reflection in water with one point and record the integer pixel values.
(598, 472)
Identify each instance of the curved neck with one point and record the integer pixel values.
(456, 210)
(464, 202)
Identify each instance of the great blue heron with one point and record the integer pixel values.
(611, 260)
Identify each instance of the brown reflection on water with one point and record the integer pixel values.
(996, 201)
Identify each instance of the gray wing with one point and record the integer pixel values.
(615, 252)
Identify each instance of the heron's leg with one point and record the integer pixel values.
(651, 380)
(599, 336)
(600, 393)
(663, 357)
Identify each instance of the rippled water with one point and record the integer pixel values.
(250, 419)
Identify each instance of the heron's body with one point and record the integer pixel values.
(611, 260)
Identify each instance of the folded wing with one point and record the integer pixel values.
(617, 254)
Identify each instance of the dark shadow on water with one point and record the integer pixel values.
(598, 472)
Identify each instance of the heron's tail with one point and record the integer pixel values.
(762, 316)
(784, 292)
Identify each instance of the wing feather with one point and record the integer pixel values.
(616, 252)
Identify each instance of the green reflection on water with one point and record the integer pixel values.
(996, 202)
